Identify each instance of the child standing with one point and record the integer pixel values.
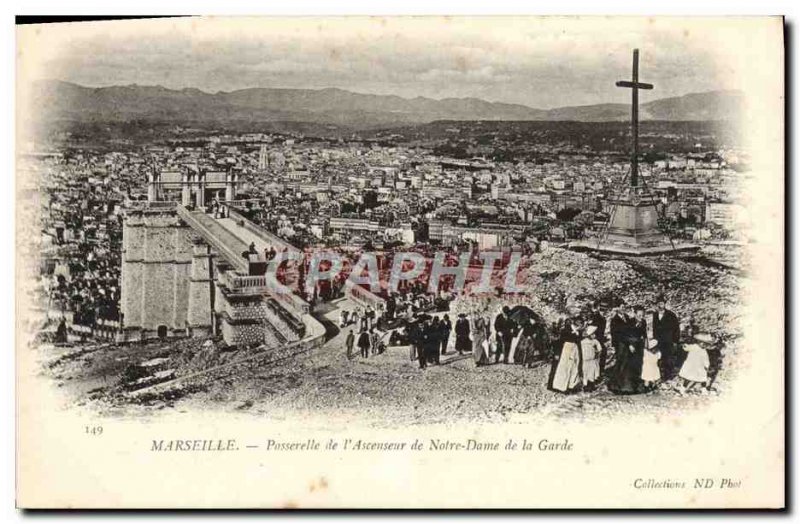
(650, 371)
(695, 368)
(590, 350)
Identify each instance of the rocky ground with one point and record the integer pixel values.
(389, 389)
(702, 288)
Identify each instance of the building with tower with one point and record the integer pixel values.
(263, 158)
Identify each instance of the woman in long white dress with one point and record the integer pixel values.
(568, 371)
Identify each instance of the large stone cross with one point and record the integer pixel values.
(635, 86)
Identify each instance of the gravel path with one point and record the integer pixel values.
(383, 390)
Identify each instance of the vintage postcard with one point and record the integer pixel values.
(400, 262)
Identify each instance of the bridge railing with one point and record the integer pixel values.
(266, 284)
(287, 298)
(145, 204)
(162, 204)
(241, 282)
(241, 202)
(266, 236)
(226, 244)
(364, 296)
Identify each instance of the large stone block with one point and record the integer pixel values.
(635, 224)
(180, 295)
(201, 286)
(158, 295)
(159, 244)
(200, 267)
(131, 293)
(183, 244)
(199, 310)
(133, 234)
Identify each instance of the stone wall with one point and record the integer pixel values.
(133, 234)
(243, 318)
(279, 323)
(249, 334)
(250, 316)
(201, 289)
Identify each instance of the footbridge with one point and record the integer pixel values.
(184, 273)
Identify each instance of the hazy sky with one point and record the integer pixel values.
(538, 62)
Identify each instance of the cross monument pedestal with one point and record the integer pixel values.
(632, 228)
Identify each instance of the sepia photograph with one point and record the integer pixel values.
(403, 254)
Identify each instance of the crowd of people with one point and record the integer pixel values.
(628, 351)
(364, 334)
(624, 349)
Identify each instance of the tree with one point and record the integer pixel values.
(567, 214)
(584, 219)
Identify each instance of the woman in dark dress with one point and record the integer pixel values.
(480, 338)
(532, 343)
(463, 342)
(628, 336)
(639, 339)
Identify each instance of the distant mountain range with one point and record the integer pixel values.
(68, 101)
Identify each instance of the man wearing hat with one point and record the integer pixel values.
(667, 331)
(504, 328)
(364, 343)
(628, 336)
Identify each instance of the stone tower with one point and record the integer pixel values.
(167, 289)
(263, 158)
